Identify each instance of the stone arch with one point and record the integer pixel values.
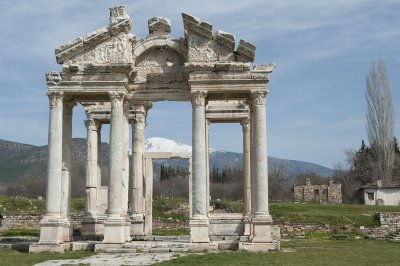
(160, 42)
(159, 61)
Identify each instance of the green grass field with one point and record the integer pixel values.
(168, 210)
(317, 249)
(305, 252)
(337, 215)
(294, 252)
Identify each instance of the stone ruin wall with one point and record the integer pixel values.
(29, 221)
(331, 193)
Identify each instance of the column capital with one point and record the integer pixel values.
(116, 98)
(198, 98)
(258, 97)
(245, 123)
(147, 105)
(139, 122)
(55, 98)
(92, 124)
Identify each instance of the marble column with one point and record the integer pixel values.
(114, 226)
(199, 222)
(66, 170)
(148, 177)
(90, 224)
(261, 220)
(138, 124)
(125, 172)
(208, 164)
(101, 190)
(245, 123)
(51, 225)
(99, 155)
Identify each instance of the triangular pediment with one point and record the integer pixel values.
(107, 45)
(206, 46)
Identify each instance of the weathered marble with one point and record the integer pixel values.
(116, 76)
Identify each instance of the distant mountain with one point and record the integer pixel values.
(16, 158)
(222, 159)
(167, 145)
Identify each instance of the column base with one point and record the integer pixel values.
(261, 229)
(128, 230)
(137, 225)
(247, 225)
(68, 231)
(114, 230)
(51, 230)
(92, 225)
(199, 230)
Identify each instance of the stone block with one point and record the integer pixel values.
(79, 245)
(227, 245)
(51, 231)
(53, 248)
(259, 247)
(114, 231)
(199, 231)
(203, 247)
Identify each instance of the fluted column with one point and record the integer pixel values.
(114, 226)
(51, 225)
(208, 164)
(199, 220)
(245, 123)
(91, 169)
(260, 213)
(99, 155)
(66, 170)
(137, 197)
(125, 171)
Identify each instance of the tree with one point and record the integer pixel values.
(396, 146)
(380, 120)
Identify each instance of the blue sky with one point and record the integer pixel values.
(316, 105)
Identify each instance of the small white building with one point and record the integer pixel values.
(378, 194)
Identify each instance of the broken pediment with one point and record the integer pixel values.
(206, 46)
(112, 44)
(158, 61)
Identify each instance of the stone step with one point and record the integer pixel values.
(162, 238)
(142, 246)
(156, 244)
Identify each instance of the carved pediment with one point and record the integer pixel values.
(107, 45)
(206, 46)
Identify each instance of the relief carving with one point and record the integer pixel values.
(202, 49)
(53, 78)
(159, 65)
(116, 50)
(229, 75)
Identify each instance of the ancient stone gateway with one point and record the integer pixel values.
(115, 77)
